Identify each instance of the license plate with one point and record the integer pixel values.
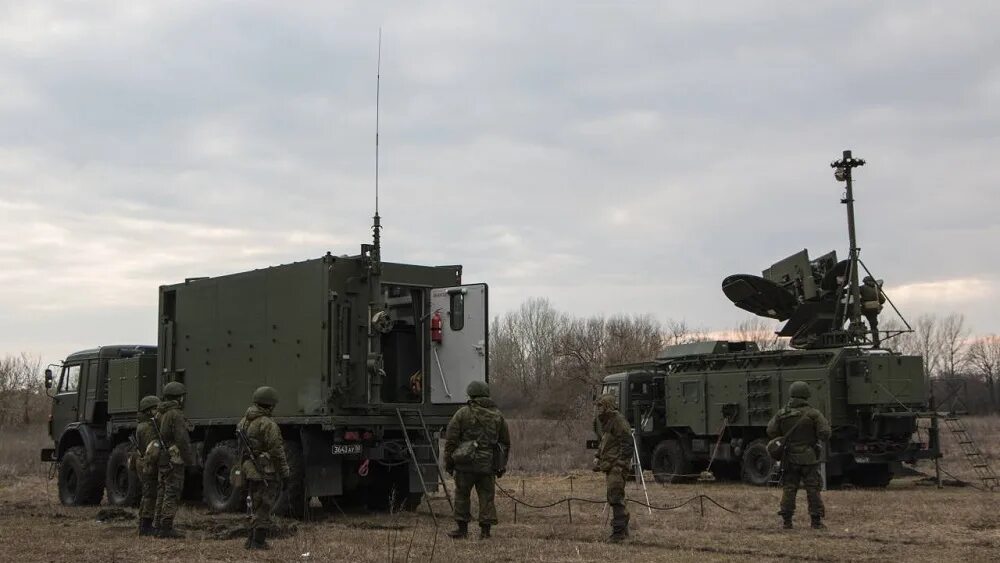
(860, 459)
(346, 449)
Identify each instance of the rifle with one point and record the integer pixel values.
(135, 443)
(163, 445)
(245, 443)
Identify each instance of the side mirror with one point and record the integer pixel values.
(48, 378)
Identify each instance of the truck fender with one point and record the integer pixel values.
(77, 434)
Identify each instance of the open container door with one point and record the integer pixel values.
(459, 341)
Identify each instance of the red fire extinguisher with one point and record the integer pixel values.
(436, 327)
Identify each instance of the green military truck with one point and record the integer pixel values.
(711, 402)
(370, 361)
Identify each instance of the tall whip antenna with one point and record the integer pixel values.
(378, 85)
(377, 221)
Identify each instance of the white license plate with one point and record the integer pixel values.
(860, 459)
(346, 449)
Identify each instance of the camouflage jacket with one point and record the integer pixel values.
(872, 298)
(615, 446)
(174, 430)
(144, 432)
(267, 443)
(801, 446)
(477, 427)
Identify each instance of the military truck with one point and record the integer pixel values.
(709, 402)
(370, 360)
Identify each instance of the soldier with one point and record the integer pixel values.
(613, 457)
(872, 300)
(470, 454)
(174, 433)
(804, 429)
(265, 477)
(145, 458)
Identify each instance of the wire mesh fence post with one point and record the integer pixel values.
(569, 509)
(701, 502)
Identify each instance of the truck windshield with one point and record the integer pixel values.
(613, 389)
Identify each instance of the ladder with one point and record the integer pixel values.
(971, 453)
(417, 465)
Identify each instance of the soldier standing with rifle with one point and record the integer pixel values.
(145, 460)
(263, 462)
(175, 453)
(476, 443)
(614, 453)
(804, 430)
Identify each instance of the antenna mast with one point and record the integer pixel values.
(377, 221)
(842, 172)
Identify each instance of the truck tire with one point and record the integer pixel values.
(219, 493)
(80, 482)
(871, 476)
(757, 464)
(669, 463)
(121, 483)
(293, 501)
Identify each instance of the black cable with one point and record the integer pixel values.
(593, 501)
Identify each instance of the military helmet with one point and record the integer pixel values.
(869, 280)
(265, 396)
(174, 389)
(799, 390)
(148, 402)
(607, 403)
(477, 389)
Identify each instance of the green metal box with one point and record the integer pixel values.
(130, 379)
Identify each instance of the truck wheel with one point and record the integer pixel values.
(292, 501)
(219, 493)
(122, 485)
(757, 464)
(669, 463)
(871, 476)
(79, 483)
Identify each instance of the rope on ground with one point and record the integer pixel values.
(698, 497)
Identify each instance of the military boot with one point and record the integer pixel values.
(260, 539)
(817, 523)
(249, 543)
(146, 527)
(167, 530)
(461, 532)
(618, 535)
(484, 532)
(786, 520)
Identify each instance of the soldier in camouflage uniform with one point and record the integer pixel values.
(614, 454)
(872, 300)
(174, 431)
(144, 461)
(269, 453)
(805, 429)
(472, 437)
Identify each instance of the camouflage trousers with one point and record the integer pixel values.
(147, 504)
(168, 492)
(485, 484)
(615, 481)
(809, 477)
(263, 497)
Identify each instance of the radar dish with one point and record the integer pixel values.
(759, 296)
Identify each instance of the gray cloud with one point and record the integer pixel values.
(613, 157)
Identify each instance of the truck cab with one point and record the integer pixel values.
(80, 391)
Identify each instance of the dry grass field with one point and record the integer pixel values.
(908, 521)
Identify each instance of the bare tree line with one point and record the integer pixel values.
(22, 396)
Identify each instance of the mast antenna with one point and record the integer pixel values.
(377, 221)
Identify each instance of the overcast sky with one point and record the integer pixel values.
(612, 157)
